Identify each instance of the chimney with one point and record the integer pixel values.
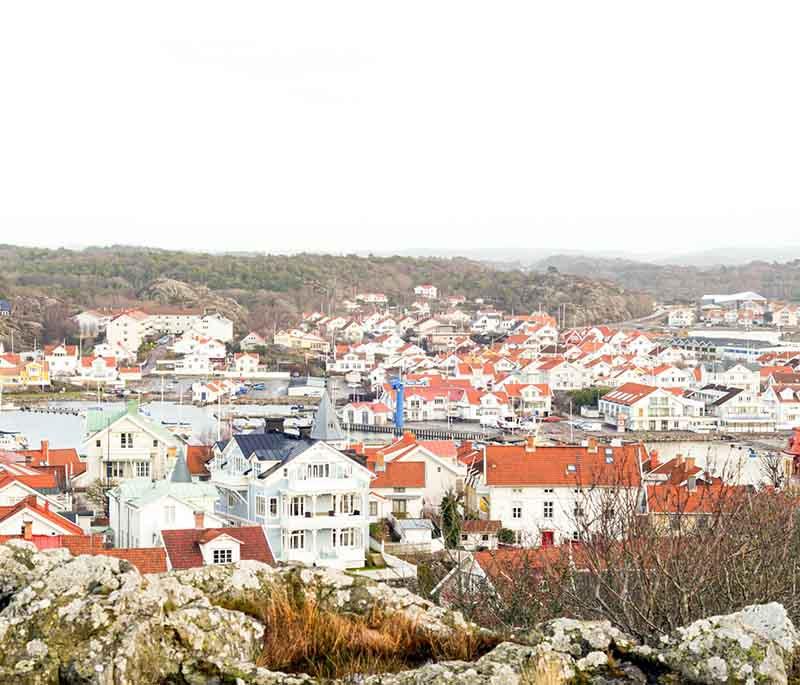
(689, 463)
(27, 530)
(655, 462)
(591, 444)
(409, 437)
(466, 447)
(530, 444)
(380, 461)
(199, 519)
(46, 451)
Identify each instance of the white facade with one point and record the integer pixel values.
(131, 446)
(313, 505)
(140, 510)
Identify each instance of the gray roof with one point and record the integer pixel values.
(271, 446)
(180, 474)
(326, 424)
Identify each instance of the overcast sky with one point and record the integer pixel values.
(356, 125)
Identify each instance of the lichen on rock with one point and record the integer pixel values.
(97, 621)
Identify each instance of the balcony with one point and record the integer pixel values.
(323, 520)
(128, 454)
(322, 485)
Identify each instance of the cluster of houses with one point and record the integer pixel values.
(745, 309)
(313, 498)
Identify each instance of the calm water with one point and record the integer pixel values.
(64, 431)
(67, 431)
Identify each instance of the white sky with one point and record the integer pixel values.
(354, 125)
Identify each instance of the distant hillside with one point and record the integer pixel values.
(273, 289)
(671, 282)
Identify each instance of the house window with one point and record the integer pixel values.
(114, 469)
(155, 443)
(297, 506)
(516, 511)
(222, 556)
(261, 506)
(319, 470)
(273, 507)
(126, 440)
(549, 491)
(399, 506)
(97, 443)
(297, 539)
(142, 469)
(347, 503)
(548, 510)
(346, 538)
(485, 537)
(373, 508)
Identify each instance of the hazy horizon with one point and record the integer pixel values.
(617, 126)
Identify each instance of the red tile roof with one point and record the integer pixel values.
(183, 546)
(477, 526)
(400, 474)
(47, 456)
(628, 393)
(573, 465)
(30, 504)
(146, 560)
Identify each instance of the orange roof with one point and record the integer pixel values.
(573, 465)
(400, 474)
(47, 456)
(146, 560)
(30, 503)
(706, 498)
(628, 393)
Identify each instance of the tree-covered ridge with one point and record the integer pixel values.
(89, 277)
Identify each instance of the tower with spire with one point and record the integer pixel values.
(326, 426)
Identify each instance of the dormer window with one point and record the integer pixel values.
(222, 556)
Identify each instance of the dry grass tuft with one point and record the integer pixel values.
(547, 671)
(302, 636)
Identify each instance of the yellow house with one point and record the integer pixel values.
(35, 373)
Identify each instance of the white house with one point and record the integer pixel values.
(128, 329)
(682, 317)
(215, 326)
(637, 407)
(548, 495)
(124, 445)
(311, 498)
(784, 403)
(139, 509)
(426, 290)
(62, 358)
(367, 413)
(252, 341)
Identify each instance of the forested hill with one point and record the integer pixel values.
(122, 275)
(779, 280)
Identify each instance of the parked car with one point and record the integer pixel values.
(552, 419)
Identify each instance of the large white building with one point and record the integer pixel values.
(311, 498)
(550, 495)
(637, 407)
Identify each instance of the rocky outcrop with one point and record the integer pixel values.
(96, 621)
